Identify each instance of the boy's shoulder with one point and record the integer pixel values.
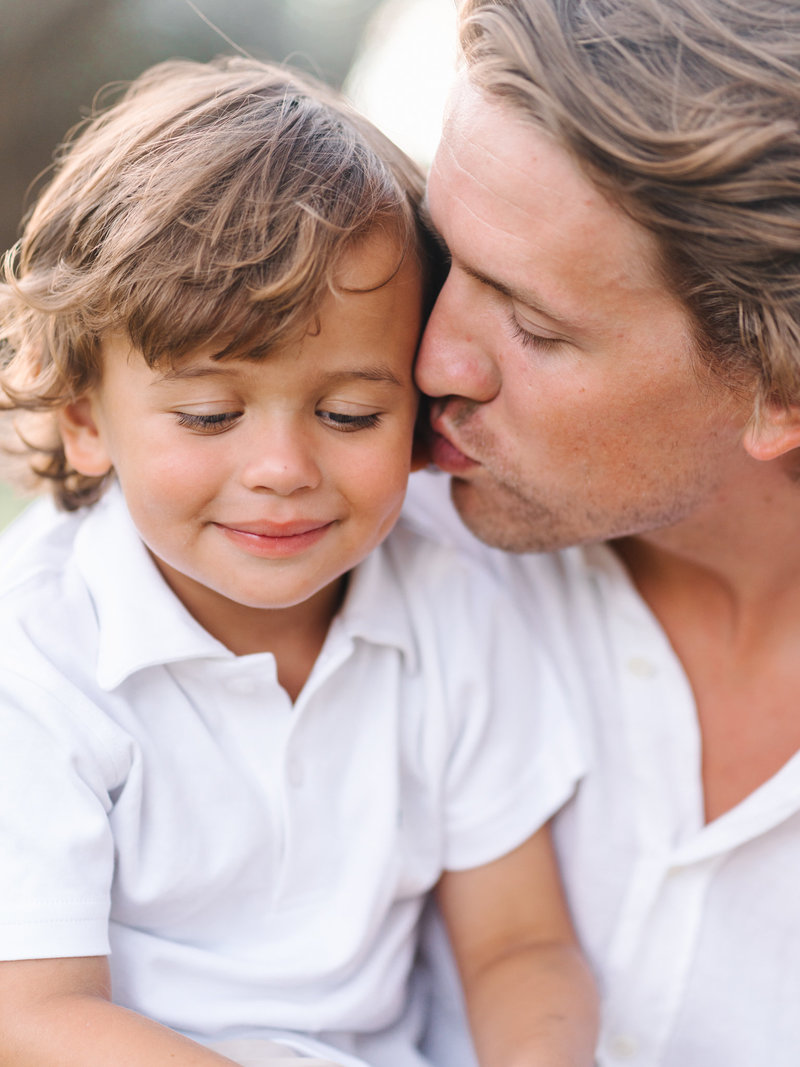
(48, 629)
(39, 593)
(454, 605)
(82, 600)
(35, 550)
(425, 562)
(541, 584)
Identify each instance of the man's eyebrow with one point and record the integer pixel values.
(377, 373)
(520, 296)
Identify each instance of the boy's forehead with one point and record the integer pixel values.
(373, 261)
(376, 262)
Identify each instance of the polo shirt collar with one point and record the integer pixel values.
(141, 623)
(376, 608)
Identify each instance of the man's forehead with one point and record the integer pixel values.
(517, 209)
(490, 145)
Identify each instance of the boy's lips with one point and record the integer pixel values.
(275, 539)
(264, 528)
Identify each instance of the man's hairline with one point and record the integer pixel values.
(701, 348)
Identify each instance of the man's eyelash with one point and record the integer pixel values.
(442, 248)
(528, 339)
(207, 423)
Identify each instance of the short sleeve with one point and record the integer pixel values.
(55, 838)
(515, 755)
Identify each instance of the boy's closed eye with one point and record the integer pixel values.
(343, 421)
(215, 423)
(338, 420)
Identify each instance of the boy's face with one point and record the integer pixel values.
(259, 483)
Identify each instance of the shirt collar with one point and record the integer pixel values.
(143, 624)
(376, 607)
(597, 557)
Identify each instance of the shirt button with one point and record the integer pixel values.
(640, 667)
(242, 687)
(296, 775)
(623, 1047)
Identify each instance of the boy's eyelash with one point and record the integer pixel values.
(349, 423)
(218, 422)
(207, 423)
(528, 339)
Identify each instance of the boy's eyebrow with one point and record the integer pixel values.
(378, 373)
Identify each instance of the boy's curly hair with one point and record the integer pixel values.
(210, 204)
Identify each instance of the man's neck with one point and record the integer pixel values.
(725, 587)
(740, 554)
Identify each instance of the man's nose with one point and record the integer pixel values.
(456, 356)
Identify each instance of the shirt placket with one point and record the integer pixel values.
(659, 919)
(252, 717)
(295, 775)
(653, 954)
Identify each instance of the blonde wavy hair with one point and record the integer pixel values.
(687, 114)
(210, 204)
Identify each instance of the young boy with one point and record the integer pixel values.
(242, 735)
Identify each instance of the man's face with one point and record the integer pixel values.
(574, 407)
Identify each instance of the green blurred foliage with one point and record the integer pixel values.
(10, 505)
(56, 54)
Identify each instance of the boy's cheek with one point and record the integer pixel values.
(420, 453)
(421, 444)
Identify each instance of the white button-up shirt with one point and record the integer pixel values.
(251, 865)
(693, 929)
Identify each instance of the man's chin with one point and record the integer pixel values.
(487, 518)
(501, 519)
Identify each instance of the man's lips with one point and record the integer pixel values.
(446, 454)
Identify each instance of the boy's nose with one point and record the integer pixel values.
(282, 462)
(454, 359)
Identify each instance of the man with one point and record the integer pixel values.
(616, 360)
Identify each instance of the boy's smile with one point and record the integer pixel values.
(256, 484)
(276, 540)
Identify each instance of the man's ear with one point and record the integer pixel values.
(84, 445)
(773, 431)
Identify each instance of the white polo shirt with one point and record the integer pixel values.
(253, 865)
(692, 929)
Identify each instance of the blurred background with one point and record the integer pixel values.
(394, 58)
